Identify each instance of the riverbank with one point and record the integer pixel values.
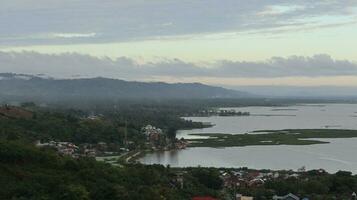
(270, 137)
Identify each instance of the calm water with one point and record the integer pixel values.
(335, 116)
(338, 155)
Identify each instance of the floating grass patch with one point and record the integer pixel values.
(271, 137)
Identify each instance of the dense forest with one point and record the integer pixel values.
(32, 123)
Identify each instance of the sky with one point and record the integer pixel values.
(220, 42)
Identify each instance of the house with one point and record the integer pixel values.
(204, 198)
(102, 146)
(231, 181)
(151, 131)
(286, 197)
(241, 197)
(181, 144)
(155, 136)
(90, 153)
(294, 175)
(256, 182)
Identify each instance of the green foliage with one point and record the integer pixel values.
(73, 126)
(209, 177)
(27, 172)
(65, 127)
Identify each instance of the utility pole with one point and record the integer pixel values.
(126, 135)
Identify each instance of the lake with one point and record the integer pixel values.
(337, 155)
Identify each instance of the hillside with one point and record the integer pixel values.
(30, 173)
(26, 87)
(14, 112)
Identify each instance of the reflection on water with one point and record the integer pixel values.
(169, 157)
(338, 155)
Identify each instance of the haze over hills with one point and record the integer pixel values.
(319, 92)
(22, 87)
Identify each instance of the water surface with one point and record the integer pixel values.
(312, 116)
(339, 154)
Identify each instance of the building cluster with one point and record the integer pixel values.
(291, 196)
(221, 112)
(245, 179)
(240, 178)
(157, 139)
(74, 151)
(151, 132)
(63, 148)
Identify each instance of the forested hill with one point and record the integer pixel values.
(26, 87)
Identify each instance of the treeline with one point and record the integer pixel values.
(64, 127)
(109, 123)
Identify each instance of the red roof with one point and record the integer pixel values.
(203, 198)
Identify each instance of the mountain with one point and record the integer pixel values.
(21, 87)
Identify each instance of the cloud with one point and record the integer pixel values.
(73, 65)
(121, 20)
(280, 10)
(74, 35)
(317, 65)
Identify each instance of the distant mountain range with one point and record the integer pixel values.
(21, 87)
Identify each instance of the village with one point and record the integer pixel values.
(155, 140)
(235, 180)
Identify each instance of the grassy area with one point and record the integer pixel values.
(279, 137)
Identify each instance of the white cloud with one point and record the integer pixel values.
(74, 65)
(119, 20)
(73, 35)
(275, 10)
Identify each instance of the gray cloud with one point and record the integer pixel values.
(27, 22)
(77, 65)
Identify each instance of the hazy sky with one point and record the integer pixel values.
(225, 42)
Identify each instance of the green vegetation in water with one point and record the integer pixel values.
(278, 137)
